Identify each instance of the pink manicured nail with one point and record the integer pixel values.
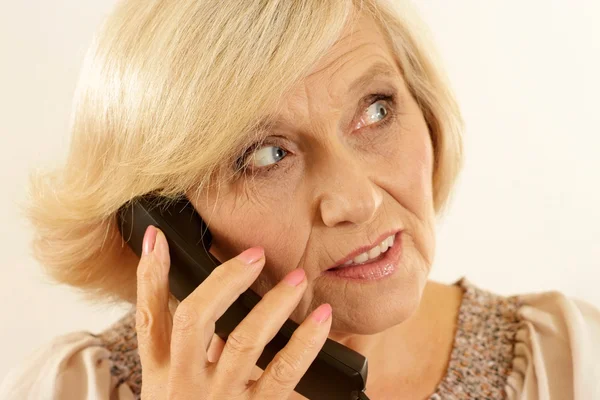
(322, 313)
(251, 255)
(149, 240)
(295, 277)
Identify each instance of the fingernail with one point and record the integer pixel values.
(161, 248)
(251, 255)
(322, 313)
(149, 240)
(295, 277)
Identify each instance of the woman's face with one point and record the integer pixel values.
(347, 164)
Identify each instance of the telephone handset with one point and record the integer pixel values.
(337, 373)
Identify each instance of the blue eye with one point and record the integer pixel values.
(380, 110)
(266, 156)
(376, 112)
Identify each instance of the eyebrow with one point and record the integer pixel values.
(378, 69)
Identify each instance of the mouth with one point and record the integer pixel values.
(370, 262)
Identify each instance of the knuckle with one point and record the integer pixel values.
(185, 317)
(241, 342)
(307, 343)
(285, 367)
(145, 274)
(144, 320)
(223, 276)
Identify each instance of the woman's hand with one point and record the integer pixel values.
(183, 359)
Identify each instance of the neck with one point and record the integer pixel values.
(413, 355)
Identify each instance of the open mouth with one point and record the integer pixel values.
(370, 263)
(374, 254)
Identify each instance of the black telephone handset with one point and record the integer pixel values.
(337, 373)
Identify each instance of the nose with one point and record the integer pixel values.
(348, 195)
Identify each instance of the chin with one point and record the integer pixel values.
(377, 306)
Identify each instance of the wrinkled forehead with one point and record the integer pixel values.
(361, 53)
(361, 41)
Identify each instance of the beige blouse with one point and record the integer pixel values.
(538, 346)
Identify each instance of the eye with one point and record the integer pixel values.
(266, 156)
(373, 114)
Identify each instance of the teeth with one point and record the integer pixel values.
(374, 252)
(384, 246)
(361, 258)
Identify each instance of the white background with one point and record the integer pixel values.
(525, 215)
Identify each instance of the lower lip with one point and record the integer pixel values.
(374, 270)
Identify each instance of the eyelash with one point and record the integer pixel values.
(390, 98)
(241, 165)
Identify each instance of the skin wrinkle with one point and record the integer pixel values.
(350, 60)
(338, 190)
(378, 69)
(374, 76)
(261, 204)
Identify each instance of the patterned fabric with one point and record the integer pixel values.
(479, 367)
(121, 340)
(482, 356)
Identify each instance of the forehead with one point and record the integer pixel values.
(361, 52)
(361, 43)
(361, 56)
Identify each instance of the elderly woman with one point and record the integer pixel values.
(320, 142)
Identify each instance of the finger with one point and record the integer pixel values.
(194, 319)
(289, 365)
(215, 349)
(248, 340)
(153, 319)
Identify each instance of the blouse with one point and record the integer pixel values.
(538, 346)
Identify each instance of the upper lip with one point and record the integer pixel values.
(363, 249)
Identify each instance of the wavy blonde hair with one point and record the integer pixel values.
(148, 113)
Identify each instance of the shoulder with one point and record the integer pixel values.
(530, 346)
(566, 317)
(77, 365)
(557, 347)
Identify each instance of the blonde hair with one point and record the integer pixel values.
(149, 107)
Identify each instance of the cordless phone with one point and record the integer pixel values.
(337, 373)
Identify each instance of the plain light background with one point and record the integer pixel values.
(525, 214)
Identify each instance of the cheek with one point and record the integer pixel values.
(409, 168)
(408, 182)
(267, 224)
(418, 163)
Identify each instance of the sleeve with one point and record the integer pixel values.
(71, 367)
(557, 350)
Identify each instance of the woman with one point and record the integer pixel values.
(319, 141)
